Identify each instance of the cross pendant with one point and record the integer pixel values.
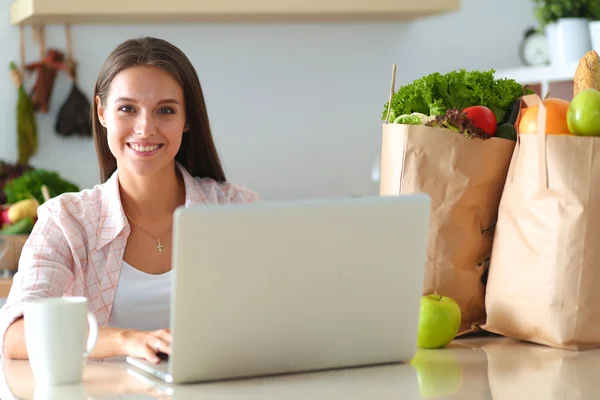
(160, 246)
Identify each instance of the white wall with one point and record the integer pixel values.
(295, 108)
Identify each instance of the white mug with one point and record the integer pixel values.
(56, 332)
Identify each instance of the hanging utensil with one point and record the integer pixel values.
(74, 115)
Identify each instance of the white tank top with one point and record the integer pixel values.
(142, 301)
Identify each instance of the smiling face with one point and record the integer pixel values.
(144, 116)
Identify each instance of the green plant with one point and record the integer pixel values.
(549, 11)
(595, 10)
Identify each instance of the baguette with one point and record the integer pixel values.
(587, 74)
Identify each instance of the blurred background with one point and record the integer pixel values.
(295, 106)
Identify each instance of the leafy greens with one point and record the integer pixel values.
(437, 93)
(30, 185)
(457, 121)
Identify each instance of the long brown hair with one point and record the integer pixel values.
(197, 153)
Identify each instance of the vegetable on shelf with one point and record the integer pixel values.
(20, 217)
(8, 172)
(22, 209)
(30, 185)
(4, 220)
(27, 140)
(23, 226)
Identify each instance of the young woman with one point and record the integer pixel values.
(112, 243)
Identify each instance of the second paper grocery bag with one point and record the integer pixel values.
(464, 177)
(545, 266)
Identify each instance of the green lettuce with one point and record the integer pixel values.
(408, 120)
(437, 93)
(30, 185)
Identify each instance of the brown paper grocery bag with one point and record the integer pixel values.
(464, 178)
(544, 276)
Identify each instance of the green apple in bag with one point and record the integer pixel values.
(583, 115)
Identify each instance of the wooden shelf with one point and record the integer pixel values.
(5, 284)
(177, 11)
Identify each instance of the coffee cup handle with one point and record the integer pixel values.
(93, 336)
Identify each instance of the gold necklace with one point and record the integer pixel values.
(159, 246)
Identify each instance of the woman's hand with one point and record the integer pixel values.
(111, 342)
(146, 344)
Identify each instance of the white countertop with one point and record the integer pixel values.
(470, 368)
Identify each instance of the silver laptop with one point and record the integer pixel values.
(275, 288)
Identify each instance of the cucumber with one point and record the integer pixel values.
(507, 131)
(513, 112)
(24, 226)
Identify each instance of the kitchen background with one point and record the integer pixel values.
(295, 107)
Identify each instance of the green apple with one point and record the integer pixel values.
(583, 115)
(439, 321)
(439, 373)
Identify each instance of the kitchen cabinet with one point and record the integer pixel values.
(178, 11)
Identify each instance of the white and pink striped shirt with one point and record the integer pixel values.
(77, 245)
